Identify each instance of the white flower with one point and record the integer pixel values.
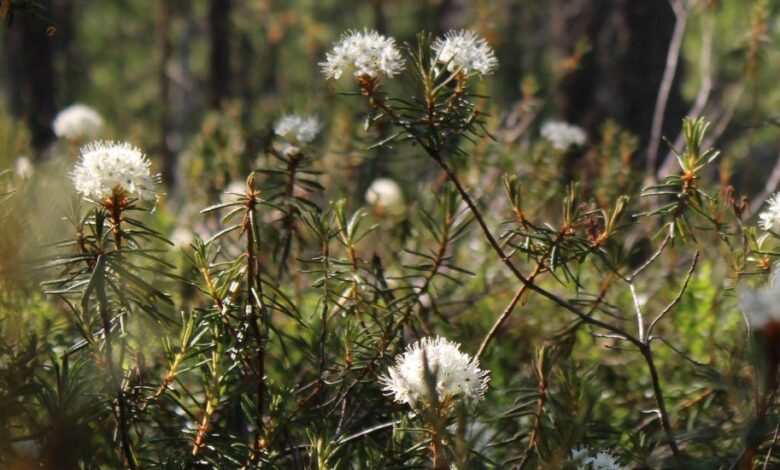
(605, 461)
(233, 192)
(465, 52)
(77, 122)
(297, 129)
(24, 168)
(182, 237)
(761, 306)
(455, 374)
(769, 219)
(563, 135)
(108, 167)
(368, 53)
(386, 196)
(580, 456)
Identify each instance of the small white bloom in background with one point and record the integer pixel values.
(233, 192)
(562, 135)
(369, 53)
(77, 122)
(465, 52)
(298, 129)
(580, 456)
(107, 168)
(182, 237)
(761, 306)
(456, 374)
(386, 196)
(769, 219)
(272, 216)
(24, 168)
(605, 461)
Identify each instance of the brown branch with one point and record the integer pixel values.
(663, 414)
(538, 413)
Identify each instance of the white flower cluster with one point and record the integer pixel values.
(368, 53)
(465, 52)
(769, 219)
(108, 167)
(455, 374)
(562, 135)
(386, 196)
(77, 122)
(298, 129)
(580, 456)
(761, 306)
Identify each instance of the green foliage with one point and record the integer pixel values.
(602, 301)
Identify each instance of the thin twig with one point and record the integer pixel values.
(685, 356)
(769, 188)
(705, 64)
(672, 59)
(659, 399)
(500, 321)
(677, 298)
(771, 446)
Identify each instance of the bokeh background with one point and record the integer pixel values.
(156, 69)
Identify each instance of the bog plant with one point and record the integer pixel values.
(518, 319)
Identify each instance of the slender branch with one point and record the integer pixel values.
(500, 321)
(254, 299)
(538, 413)
(324, 316)
(672, 58)
(659, 399)
(121, 411)
(670, 346)
(640, 320)
(676, 299)
(115, 205)
(289, 218)
(653, 257)
(769, 188)
(771, 447)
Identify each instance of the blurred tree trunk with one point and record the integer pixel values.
(30, 69)
(68, 58)
(219, 73)
(164, 49)
(619, 76)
